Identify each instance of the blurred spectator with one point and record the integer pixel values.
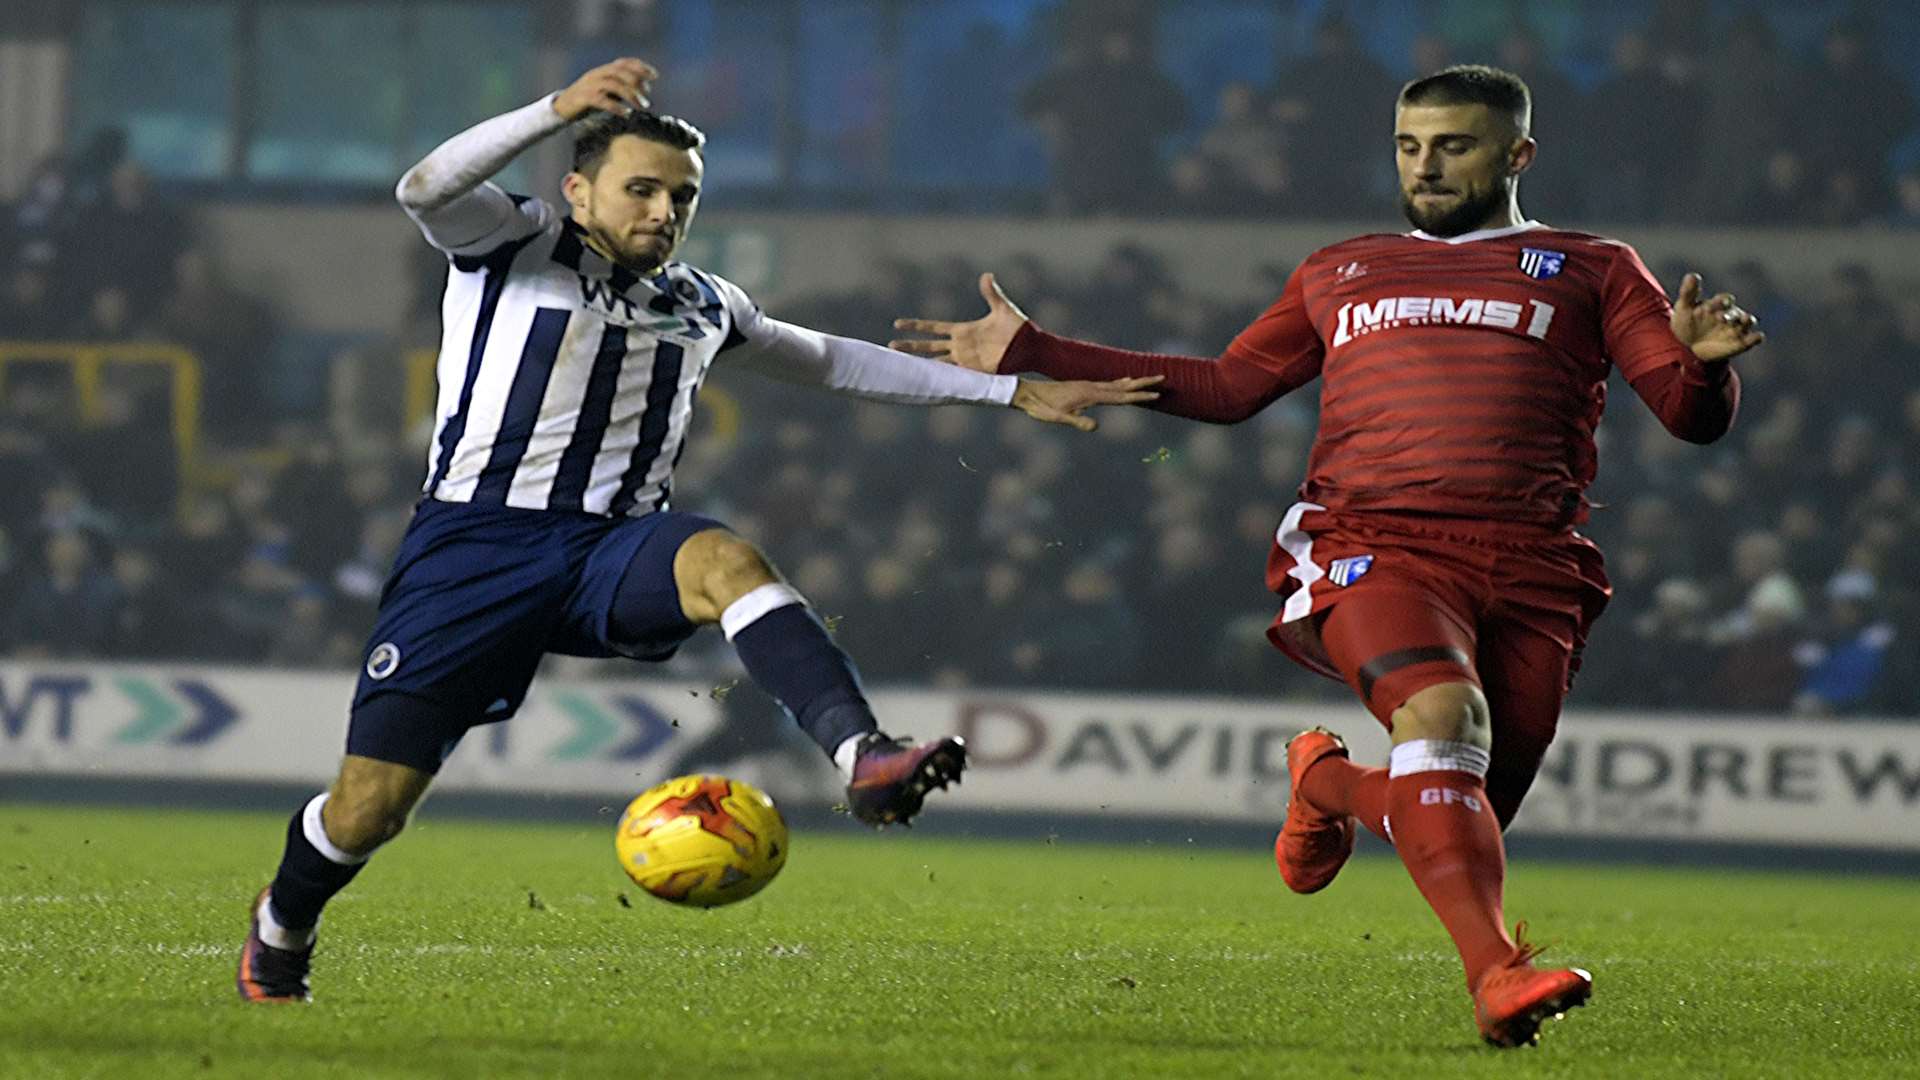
(1637, 138)
(1906, 195)
(30, 306)
(997, 644)
(1743, 123)
(155, 620)
(1122, 289)
(1849, 116)
(127, 239)
(881, 628)
(1428, 54)
(306, 636)
(109, 317)
(1754, 284)
(1848, 661)
(1767, 594)
(1658, 659)
(130, 463)
(1334, 106)
(70, 607)
(1551, 187)
(254, 602)
(1787, 190)
(314, 476)
(89, 174)
(1239, 166)
(1755, 670)
(1855, 319)
(39, 217)
(1104, 112)
(232, 335)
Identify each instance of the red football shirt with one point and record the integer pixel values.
(1461, 377)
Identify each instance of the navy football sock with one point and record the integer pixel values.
(789, 654)
(311, 871)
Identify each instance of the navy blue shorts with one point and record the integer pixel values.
(479, 593)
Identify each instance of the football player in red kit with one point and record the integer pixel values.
(1432, 561)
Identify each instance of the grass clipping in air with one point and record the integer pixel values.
(892, 956)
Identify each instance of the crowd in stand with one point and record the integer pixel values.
(1691, 119)
(971, 547)
(963, 546)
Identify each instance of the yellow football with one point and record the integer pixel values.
(702, 841)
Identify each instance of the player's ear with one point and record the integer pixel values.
(575, 187)
(1521, 155)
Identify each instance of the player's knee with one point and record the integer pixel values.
(715, 568)
(369, 804)
(1453, 712)
(359, 822)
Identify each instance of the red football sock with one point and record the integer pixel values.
(1335, 785)
(1445, 832)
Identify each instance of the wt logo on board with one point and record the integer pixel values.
(181, 712)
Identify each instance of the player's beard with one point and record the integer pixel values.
(1472, 212)
(643, 259)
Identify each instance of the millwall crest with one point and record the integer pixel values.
(1344, 572)
(1540, 263)
(384, 660)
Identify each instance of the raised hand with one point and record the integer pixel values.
(978, 344)
(1065, 402)
(619, 88)
(1716, 330)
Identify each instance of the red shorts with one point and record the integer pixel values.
(1393, 604)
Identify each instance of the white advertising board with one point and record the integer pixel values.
(599, 737)
(1677, 777)
(1674, 776)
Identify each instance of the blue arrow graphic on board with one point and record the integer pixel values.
(216, 713)
(654, 726)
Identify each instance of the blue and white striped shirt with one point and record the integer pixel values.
(568, 382)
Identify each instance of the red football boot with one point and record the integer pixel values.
(1512, 1001)
(270, 974)
(891, 777)
(1312, 846)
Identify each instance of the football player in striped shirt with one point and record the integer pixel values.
(573, 347)
(1432, 562)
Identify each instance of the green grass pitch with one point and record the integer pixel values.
(493, 950)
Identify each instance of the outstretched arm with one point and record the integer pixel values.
(799, 355)
(1223, 390)
(1280, 352)
(862, 369)
(448, 194)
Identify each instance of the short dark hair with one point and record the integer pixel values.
(592, 137)
(1474, 84)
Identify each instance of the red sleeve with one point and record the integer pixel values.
(1694, 400)
(1280, 352)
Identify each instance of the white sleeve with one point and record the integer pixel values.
(798, 355)
(449, 196)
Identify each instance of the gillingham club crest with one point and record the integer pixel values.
(1540, 263)
(1344, 572)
